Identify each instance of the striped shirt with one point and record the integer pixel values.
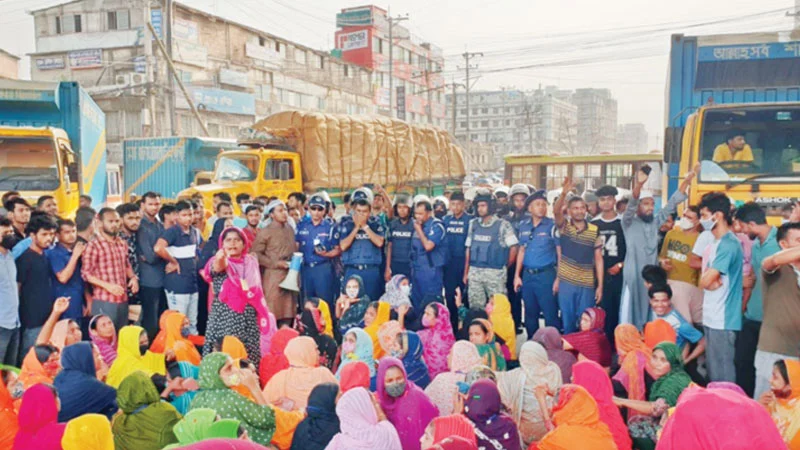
(577, 254)
(183, 247)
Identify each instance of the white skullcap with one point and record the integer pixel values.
(645, 194)
(272, 205)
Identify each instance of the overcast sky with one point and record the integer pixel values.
(564, 39)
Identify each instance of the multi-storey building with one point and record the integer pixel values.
(9, 65)
(597, 120)
(632, 138)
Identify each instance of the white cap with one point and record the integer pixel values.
(501, 190)
(645, 194)
(422, 198)
(272, 205)
(443, 199)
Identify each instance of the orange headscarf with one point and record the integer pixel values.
(233, 347)
(157, 346)
(784, 411)
(631, 347)
(577, 422)
(290, 387)
(8, 419)
(275, 361)
(32, 372)
(184, 349)
(658, 331)
(453, 425)
(381, 317)
(285, 424)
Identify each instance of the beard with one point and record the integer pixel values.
(646, 218)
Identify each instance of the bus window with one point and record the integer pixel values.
(587, 176)
(619, 175)
(555, 176)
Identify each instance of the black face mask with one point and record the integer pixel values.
(502, 210)
(8, 241)
(143, 348)
(439, 214)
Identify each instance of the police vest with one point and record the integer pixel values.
(486, 251)
(309, 236)
(362, 251)
(457, 230)
(428, 260)
(400, 235)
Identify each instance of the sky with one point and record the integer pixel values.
(621, 45)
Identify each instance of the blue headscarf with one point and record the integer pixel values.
(416, 369)
(363, 353)
(184, 402)
(79, 389)
(322, 423)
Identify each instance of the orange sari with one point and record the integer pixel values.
(32, 372)
(184, 349)
(158, 344)
(635, 356)
(8, 419)
(577, 422)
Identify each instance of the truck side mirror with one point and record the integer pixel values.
(673, 140)
(284, 171)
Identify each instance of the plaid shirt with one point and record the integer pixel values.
(107, 260)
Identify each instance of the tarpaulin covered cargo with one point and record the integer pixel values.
(341, 151)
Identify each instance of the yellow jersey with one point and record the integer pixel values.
(723, 153)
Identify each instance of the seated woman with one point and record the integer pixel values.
(79, 390)
(179, 386)
(781, 400)
(398, 291)
(133, 355)
(493, 428)
(201, 424)
(145, 422)
(104, 336)
(160, 341)
(577, 423)
(324, 313)
(437, 338)
(481, 333)
(8, 416)
(553, 344)
(88, 432)
(352, 304)
(408, 348)
(38, 420)
(177, 330)
(592, 377)
(499, 310)
(590, 342)
(631, 380)
(310, 324)
(448, 427)
(289, 388)
(406, 406)
(666, 366)
(377, 314)
(59, 333)
(442, 391)
(322, 423)
(387, 336)
(41, 365)
(518, 388)
(658, 331)
(354, 375)
(357, 346)
(275, 361)
(363, 424)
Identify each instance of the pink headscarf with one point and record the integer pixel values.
(108, 350)
(595, 380)
(437, 341)
(359, 425)
(38, 420)
(464, 357)
(410, 413)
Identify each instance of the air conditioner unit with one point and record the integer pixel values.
(138, 81)
(121, 79)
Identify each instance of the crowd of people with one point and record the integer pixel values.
(497, 321)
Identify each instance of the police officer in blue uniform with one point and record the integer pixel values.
(536, 270)
(456, 225)
(316, 240)
(428, 254)
(401, 230)
(361, 237)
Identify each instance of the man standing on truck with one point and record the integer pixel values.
(456, 225)
(315, 240)
(734, 148)
(151, 266)
(428, 255)
(361, 239)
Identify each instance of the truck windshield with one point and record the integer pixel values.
(751, 145)
(28, 164)
(237, 168)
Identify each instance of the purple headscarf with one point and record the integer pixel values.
(550, 339)
(410, 413)
(492, 427)
(108, 350)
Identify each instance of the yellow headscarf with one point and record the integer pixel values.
(503, 323)
(129, 359)
(326, 315)
(372, 330)
(88, 432)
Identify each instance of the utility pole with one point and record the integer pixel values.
(148, 57)
(392, 21)
(455, 85)
(467, 56)
(167, 25)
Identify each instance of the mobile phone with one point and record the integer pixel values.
(646, 169)
(463, 388)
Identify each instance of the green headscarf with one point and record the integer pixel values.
(258, 420)
(672, 384)
(146, 422)
(201, 424)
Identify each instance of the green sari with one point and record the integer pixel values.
(670, 386)
(492, 356)
(145, 422)
(201, 424)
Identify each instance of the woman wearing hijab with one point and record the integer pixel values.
(79, 389)
(577, 423)
(357, 346)
(463, 358)
(289, 389)
(387, 336)
(406, 406)
(448, 427)
(481, 333)
(408, 348)
(518, 388)
(233, 347)
(354, 375)
(133, 355)
(719, 419)
(104, 336)
(275, 361)
(397, 292)
(658, 331)
(666, 365)
(493, 429)
(781, 400)
(38, 420)
(352, 304)
(322, 423)
(146, 422)
(41, 365)
(470, 316)
(160, 341)
(437, 338)
(182, 397)
(238, 307)
(310, 325)
(8, 417)
(65, 332)
(634, 355)
(325, 314)
(88, 432)
(550, 339)
(595, 380)
(591, 342)
(499, 311)
(177, 330)
(376, 315)
(201, 424)
(363, 424)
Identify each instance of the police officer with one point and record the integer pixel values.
(456, 225)
(428, 254)
(401, 231)
(491, 247)
(440, 206)
(361, 239)
(501, 201)
(517, 195)
(535, 273)
(315, 239)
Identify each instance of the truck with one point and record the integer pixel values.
(735, 84)
(295, 151)
(52, 142)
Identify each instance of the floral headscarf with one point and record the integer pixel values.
(394, 296)
(437, 341)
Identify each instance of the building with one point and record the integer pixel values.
(234, 74)
(597, 121)
(632, 138)
(415, 89)
(9, 65)
(556, 130)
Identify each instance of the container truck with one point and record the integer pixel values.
(52, 142)
(723, 86)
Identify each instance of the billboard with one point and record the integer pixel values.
(50, 63)
(85, 59)
(354, 17)
(220, 100)
(354, 41)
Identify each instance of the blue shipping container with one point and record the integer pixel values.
(168, 165)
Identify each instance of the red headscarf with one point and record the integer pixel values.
(8, 418)
(593, 344)
(355, 374)
(594, 379)
(275, 361)
(38, 420)
(455, 425)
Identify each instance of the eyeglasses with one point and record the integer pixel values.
(317, 208)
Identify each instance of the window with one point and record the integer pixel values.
(347, 73)
(214, 129)
(484, 110)
(278, 47)
(113, 183)
(474, 111)
(320, 61)
(187, 124)
(71, 24)
(508, 122)
(58, 25)
(484, 124)
(462, 125)
(321, 104)
(299, 56)
(119, 20)
(77, 20)
(274, 168)
(463, 112)
(261, 41)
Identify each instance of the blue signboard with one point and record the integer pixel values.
(220, 100)
(157, 22)
(354, 17)
(773, 50)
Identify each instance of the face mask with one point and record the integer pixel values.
(348, 347)
(185, 332)
(143, 349)
(685, 224)
(438, 214)
(489, 309)
(426, 322)
(708, 224)
(396, 389)
(8, 242)
(233, 380)
(51, 366)
(405, 290)
(352, 293)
